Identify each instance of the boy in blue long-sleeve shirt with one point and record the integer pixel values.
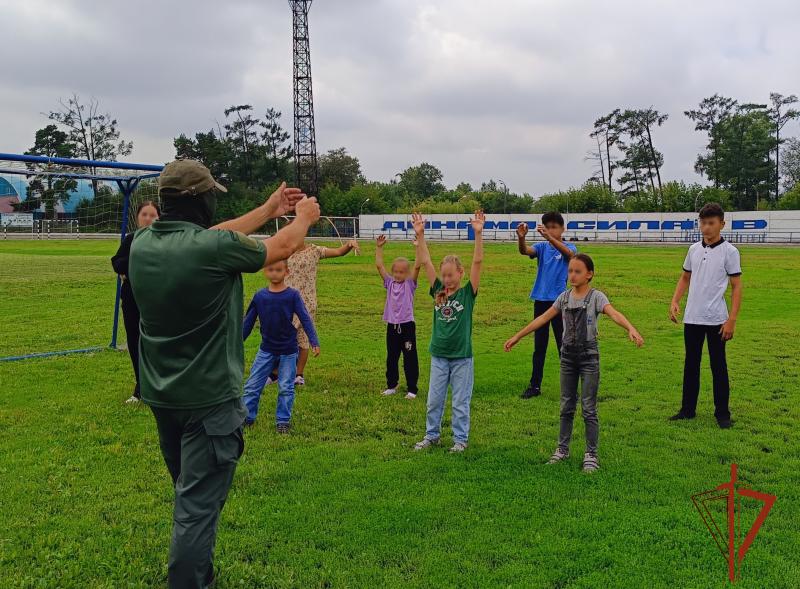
(275, 307)
(553, 256)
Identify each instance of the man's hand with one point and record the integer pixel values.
(315, 351)
(283, 200)
(635, 337)
(307, 209)
(674, 311)
(510, 343)
(477, 222)
(727, 329)
(522, 230)
(381, 241)
(418, 221)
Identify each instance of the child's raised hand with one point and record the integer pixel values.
(418, 221)
(315, 351)
(381, 241)
(510, 343)
(522, 230)
(353, 245)
(636, 338)
(543, 231)
(477, 221)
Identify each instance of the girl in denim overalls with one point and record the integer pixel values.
(580, 358)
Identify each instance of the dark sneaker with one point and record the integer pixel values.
(680, 415)
(724, 422)
(283, 428)
(531, 391)
(249, 422)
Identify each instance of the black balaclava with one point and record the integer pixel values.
(199, 209)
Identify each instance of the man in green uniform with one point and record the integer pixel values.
(187, 282)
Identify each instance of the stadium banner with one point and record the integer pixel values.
(16, 219)
(741, 226)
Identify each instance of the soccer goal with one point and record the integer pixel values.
(61, 198)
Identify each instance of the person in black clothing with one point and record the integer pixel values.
(146, 213)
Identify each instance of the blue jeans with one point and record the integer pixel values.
(263, 365)
(458, 373)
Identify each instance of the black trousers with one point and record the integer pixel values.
(541, 338)
(693, 337)
(130, 317)
(201, 448)
(402, 339)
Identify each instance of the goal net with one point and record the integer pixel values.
(57, 198)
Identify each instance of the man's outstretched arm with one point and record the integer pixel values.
(290, 239)
(280, 202)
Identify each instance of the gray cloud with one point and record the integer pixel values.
(482, 89)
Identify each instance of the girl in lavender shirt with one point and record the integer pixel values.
(398, 313)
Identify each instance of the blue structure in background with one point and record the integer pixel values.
(6, 188)
(127, 180)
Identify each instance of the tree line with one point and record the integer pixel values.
(741, 159)
(747, 163)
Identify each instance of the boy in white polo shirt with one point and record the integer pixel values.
(709, 266)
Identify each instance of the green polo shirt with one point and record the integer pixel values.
(452, 323)
(187, 283)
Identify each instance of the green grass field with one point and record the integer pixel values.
(344, 502)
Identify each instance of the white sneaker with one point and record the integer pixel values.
(132, 400)
(388, 392)
(426, 443)
(299, 381)
(411, 395)
(590, 463)
(458, 447)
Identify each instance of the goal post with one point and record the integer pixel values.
(52, 197)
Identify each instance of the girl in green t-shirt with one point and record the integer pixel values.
(451, 342)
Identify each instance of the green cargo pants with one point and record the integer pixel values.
(201, 448)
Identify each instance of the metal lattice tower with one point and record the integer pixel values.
(305, 144)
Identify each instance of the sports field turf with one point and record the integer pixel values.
(343, 501)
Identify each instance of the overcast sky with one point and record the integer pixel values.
(482, 89)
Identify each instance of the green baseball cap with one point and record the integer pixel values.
(188, 178)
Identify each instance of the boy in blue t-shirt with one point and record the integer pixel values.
(553, 256)
(275, 307)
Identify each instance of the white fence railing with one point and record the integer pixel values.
(741, 227)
